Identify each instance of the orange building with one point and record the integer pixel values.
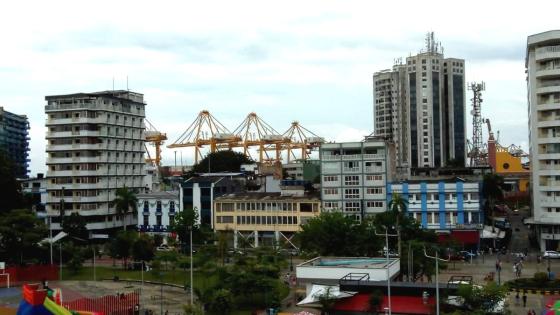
(508, 165)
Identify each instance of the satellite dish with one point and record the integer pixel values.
(472, 112)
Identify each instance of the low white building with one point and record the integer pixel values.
(156, 211)
(331, 270)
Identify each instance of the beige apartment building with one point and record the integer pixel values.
(264, 218)
(95, 144)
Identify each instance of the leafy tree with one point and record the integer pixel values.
(75, 226)
(326, 300)
(492, 192)
(125, 202)
(334, 234)
(77, 258)
(415, 239)
(143, 248)
(10, 189)
(222, 301)
(398, 206)
(20, 232)
(221, 161)
(121, 245)
(186, 220)
(482, 298)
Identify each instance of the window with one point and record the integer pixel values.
(374, 204)
(158, 220)
(374, 177)
(352, 206)
(330, 191)
(352, 193)
(330, 178)
(146, 219)
(352, 180)
(374, 191)
(351, 166)
(330, 205)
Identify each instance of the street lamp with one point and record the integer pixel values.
(437, 259)
(189, 229)
(388, 274)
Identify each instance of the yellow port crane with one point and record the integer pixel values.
(302, 139)
(255, 132)
(206, 130)
(155, 138)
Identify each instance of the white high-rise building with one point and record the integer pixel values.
(543, 93)
(354, 176)
(419, 106)
(95, 145)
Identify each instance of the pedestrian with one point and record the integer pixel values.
(524, 299)
(533, 312)
(517, 299)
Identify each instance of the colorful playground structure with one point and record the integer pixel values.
(38, 301)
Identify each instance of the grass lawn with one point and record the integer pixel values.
(179, 276)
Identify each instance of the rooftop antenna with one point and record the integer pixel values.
(127, 83)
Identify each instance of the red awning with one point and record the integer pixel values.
(462, 237)
(400, 304)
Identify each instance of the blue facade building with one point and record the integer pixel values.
(450, 207)
(14, 140)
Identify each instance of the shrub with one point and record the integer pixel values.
(540, 278)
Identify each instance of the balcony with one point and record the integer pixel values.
(547, 53)
(330, 157)
(351, 157)
(548, 88)
(548, 73)
(353, 170)
(374, 170)
(374, 156)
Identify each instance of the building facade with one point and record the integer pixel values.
(157, 210)
(95, 146)
(14, 140)
(354, 176)
(543, 93)
(36, 187)
(199, 193)
(419, 105)
(263, 218)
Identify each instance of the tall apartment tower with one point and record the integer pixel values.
(419, 105)
(543, 93)
(14, 140)
(95, 145)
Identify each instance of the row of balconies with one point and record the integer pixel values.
(130, 182)
(547, 53)
(351, 157)
(102, 171)
(137, 135)
(96, 146)
(339, 183)
(138, 123)
(97, 106)
(139, 159)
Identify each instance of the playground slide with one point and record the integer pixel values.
(54, 308)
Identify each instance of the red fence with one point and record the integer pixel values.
(121, 304)
(35, 273)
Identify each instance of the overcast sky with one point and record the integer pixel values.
(310, 61)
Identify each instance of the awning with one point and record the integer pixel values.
(399, 304)
(318, 290)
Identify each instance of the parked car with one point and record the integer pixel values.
(551, 254)
(165, 248)
(518, 255)
(467, 254)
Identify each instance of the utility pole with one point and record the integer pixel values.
(388, 263)
(437, 259)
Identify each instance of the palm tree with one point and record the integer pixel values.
(398, 206)
(125, 202)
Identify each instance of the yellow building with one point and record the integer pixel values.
(264, 218)
(509, 166)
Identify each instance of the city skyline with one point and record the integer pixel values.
(284, 64)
